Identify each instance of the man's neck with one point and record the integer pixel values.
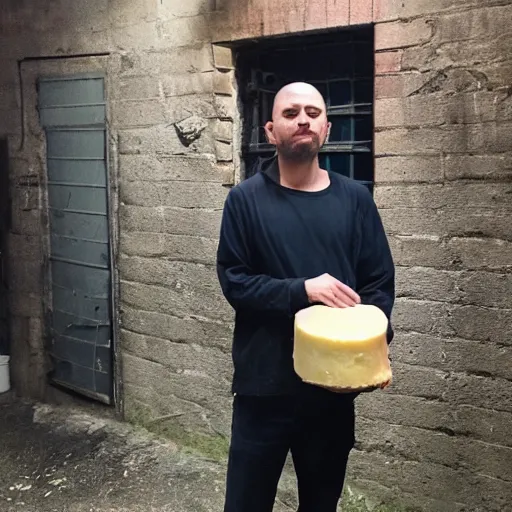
(306, 176)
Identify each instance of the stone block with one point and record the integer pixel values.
(474, 24)
(338, 12)
(223, 151)
(402, 34)
(173, 247)
(223, 57)
(191, 399)
(472, 322)
(225, 107)
(182, 107)
(180, 330)
(122, 14)
(428, 251)
(422, 316)
(186, 359)
(151, 140)
(22, 171)
(439, 109)
(135, 88)
(424, 283)
(25, 304)
(459, 54)
(481, 253)
(361, 12)
(196, 58)
(391, 9)
(453, 355)
(176, 221)
(477, 195)
(478, 167)
(223, 83)
(401, 85)
(24, 247)
(464, 420)
(138, 113)
(188, 83)
(169, 9)
(425, 446)
(223, 130)
(411, 169)
(475, 322)
(243, 23)
(451, 387)
(177, 288)
(182, 194)
(9, 67)
(458, 138)
(449, 222)
(161, 168)
(25, 198)
(195, 386)
(490, 289)
(9, 100)
(141, 35)
(185, 31)
(161, 140)
(453, 253)
(388, 62)
(10, 122)
(26, 276)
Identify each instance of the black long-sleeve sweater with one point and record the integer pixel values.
(274, 238)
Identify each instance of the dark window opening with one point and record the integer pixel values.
(341, 66)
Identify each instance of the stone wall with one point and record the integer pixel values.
(437, 439)
(443, 116)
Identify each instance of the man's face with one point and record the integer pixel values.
(299, 126)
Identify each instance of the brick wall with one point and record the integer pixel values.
(438, 438)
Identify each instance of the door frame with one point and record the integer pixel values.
(33, 148)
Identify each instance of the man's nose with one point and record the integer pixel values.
(303, 119)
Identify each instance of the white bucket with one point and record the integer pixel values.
(4, 374)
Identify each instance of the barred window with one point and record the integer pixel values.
(341, 66)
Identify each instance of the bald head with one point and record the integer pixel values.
(297, 93)
(299, 125)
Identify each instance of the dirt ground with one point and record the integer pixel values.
(74, 459)
(75, 456)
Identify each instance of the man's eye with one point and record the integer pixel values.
(313, 113)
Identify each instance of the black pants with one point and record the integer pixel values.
(317, 426)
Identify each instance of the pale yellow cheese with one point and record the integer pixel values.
(342, 348)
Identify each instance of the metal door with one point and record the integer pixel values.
(73, 114)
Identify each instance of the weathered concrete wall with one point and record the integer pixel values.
(438, 439)
(443, 115)
(171, 102)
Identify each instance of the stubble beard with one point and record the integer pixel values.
(297, 152)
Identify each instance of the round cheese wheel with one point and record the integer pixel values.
(344, 349)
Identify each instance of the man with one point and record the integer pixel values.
(294, 235)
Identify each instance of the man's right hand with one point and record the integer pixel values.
(331, 292)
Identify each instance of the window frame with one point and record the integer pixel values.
(253, 92)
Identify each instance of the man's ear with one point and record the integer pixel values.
(269, 132)
(328, 133)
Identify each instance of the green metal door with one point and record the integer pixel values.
(73, 114)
